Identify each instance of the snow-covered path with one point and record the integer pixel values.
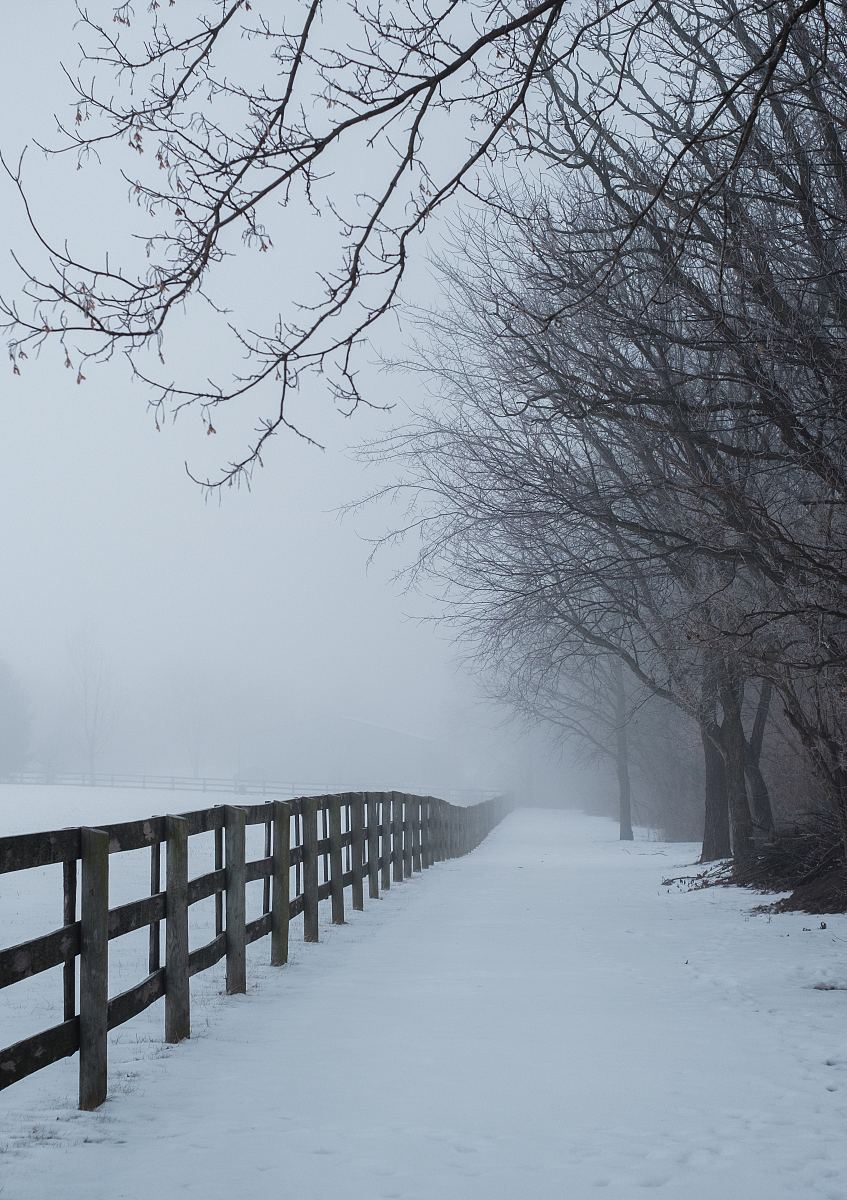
(539, 1020)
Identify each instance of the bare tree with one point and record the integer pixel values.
(708, 344)
(226, 125)
(552, 547)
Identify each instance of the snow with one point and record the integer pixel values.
(540, 1019)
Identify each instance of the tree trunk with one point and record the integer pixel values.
(716, 843)
(825, 752)
(622, 755)
(734, 750)
(760, 799)
(759, 795)
(839, 802)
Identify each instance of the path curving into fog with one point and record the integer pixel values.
(540, 1020)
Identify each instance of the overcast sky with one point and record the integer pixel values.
(242, 636)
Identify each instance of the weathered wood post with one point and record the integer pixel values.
(69, 918)
(397, 836)
(219, 862)
(177, 992)
(426, 845)
(440, 846)
(298, 842)
(94, 968)
(324, 809)
(236, 901)
(373, 845)
(408, 824)
(280, 899)
(415, 821)
(266, 882)
(336, 881)
(310, 869)
(357, 829)
(432, 829)
(154, 953)
(385, 835)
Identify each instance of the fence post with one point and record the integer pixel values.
(415, 820)
(154, 953)
(336, 882)
(94, 968)
(236, 921)
(385, 833)
(266, 882)
(373, 846)
(397, 836)
(69, 882)
(219, 896)
(177, 992)
(408, 827)
(432, 830)
(310, 869)
(281, 883)
(443, 848)
(357, 829)
(422, 806)
(324, 836)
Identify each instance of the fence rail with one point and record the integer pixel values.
(349, 838)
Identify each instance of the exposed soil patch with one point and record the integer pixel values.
(809, 864)
(825, 894)
(805, 864)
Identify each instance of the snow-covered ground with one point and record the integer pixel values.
(541, 1019)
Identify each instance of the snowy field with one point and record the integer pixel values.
(540, 1020)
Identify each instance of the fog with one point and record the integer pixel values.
(242, 638)
(424, 628)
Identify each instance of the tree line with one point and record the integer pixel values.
(632, 485)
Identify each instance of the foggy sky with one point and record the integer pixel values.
(245, 636)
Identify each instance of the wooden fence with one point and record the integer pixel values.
(325, 844)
